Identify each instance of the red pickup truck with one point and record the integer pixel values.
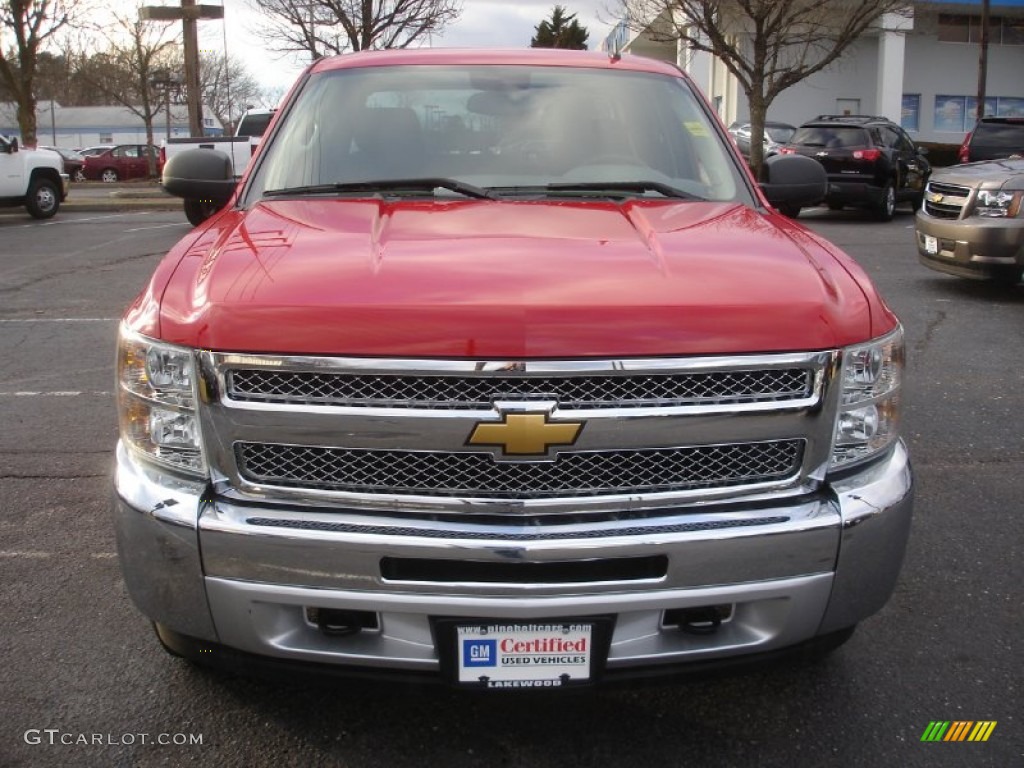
(498, 368)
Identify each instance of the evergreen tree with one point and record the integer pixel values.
(561, 31)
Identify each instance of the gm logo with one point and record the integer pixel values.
(479, 653)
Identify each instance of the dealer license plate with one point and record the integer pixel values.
(545, 654)
(931, 245)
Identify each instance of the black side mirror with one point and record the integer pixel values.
(794, 180)
(200, 174)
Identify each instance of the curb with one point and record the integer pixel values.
(119, 204)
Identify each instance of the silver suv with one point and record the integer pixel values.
(972, 221)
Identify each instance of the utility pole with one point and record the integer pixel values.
(189, 13)
(983, 61)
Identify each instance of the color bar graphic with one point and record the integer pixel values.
(958, 730)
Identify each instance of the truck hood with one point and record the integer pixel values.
(483, 279)
(1009, 173)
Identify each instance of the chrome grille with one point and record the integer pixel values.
(476, 392)
(954, 198)
(595, 473)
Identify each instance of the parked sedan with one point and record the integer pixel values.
(972, 221)
(125, 161)
(73, 162)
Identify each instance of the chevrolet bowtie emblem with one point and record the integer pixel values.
(525, 434)
(934, 197)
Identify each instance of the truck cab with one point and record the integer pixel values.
(31, 178)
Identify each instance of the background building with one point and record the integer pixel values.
(76, 127)
(919, 70)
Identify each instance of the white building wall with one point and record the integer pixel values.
(936, 68)
(852, 78)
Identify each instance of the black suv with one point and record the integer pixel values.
(994, 138)
(870, 161)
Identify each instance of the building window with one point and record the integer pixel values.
(106, 138)
(958, 28)
(1013, 31)
(956, 114)
(910, 113)
(954, 29)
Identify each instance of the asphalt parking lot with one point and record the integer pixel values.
(85, 683)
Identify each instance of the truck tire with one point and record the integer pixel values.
(108, 175)
(43, 198)
(198, 211)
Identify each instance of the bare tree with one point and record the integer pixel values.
(327, 27)
(25, 27)
(768, 45)
(227, 87)
(126, 71)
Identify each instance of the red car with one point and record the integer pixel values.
(124, 161)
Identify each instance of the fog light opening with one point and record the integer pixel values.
(335, 622)
(702, 620)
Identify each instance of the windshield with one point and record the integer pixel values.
(779, 134)
(830, 136)
(255, 124)
(499, 128)
(1008, 135)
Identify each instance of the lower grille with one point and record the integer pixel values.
(597, 473)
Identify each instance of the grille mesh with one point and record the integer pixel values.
(478, 475)
(475, 392)
(954, 199)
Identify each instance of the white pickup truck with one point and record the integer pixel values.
(239, 148)
(32, 178)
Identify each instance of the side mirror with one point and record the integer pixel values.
(200, 174)
(794, 180)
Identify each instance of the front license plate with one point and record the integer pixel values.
(931, 245)
(542, 654)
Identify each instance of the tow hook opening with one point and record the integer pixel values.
(701, 620)
(336, 622)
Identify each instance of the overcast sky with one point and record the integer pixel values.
(483, 24)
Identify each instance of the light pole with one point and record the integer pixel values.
(165, 81)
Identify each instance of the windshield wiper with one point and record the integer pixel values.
(610, 189)
(428, 184)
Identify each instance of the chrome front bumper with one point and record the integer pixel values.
(245, 576)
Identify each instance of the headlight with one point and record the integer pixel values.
(156, 398)
(998, 204)
(868, 418)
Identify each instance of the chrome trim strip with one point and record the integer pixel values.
(334, 550)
